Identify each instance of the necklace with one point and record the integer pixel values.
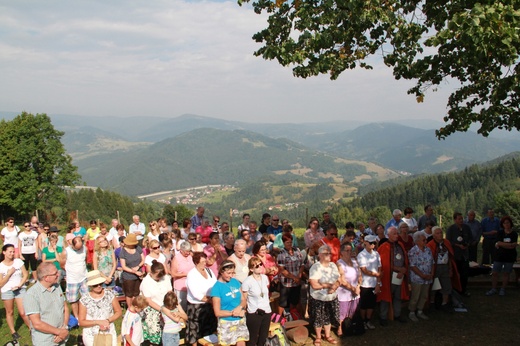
(260, 286)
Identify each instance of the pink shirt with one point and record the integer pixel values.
(209, 251)
(311, 237)
(184, 265)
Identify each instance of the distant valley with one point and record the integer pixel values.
(143, 155)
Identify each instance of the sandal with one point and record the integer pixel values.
(317, 342)
(331, 340)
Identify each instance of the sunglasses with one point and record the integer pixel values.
(26, 225)
(372, 242)
(259, 265)
(334, 234)
(94, 286)
(155, 247)
(275, 220)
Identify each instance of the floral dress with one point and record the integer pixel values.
(98, 309)
(105, 263)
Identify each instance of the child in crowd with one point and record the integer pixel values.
(132, 327)
(172, 328)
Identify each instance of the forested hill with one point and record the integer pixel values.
(476, 187)
(211, 156)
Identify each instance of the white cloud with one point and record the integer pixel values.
(172, 57)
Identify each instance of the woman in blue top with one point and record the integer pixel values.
(229, 307)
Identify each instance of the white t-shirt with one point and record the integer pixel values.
(17, 276)
(11, 237)
(133, 326)
(156, 290)
(410, 222)
(28, 242)
(198, 286)
(255, 289)
(371, 261)
(76, 265)
(149, 259)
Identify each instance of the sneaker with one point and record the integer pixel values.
(412, 316)
(16, 336)
(502, 292)
(383, 322)
(401, 319)
(369, 325)
(421, 314)
(491, 292)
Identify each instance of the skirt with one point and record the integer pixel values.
(231, 332)
(323, 313)
(152, 325)
(201, 322)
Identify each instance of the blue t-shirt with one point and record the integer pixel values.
(82, 232)
(229, 294)
(273, 230)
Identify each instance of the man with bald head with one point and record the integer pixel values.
(394, 283)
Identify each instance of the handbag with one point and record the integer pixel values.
(103, 339)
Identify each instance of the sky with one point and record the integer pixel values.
(168, 58)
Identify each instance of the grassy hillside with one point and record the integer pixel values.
(210, 156)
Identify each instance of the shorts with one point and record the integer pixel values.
(289, 296)
(367, 298)
(19, 293)
(502, 267)
(172, 339)
(74, 289)
(30, 261)
(131, 288)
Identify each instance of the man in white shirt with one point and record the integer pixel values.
(138, 228)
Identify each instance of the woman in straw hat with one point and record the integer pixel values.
(132, 259)
(98, 310)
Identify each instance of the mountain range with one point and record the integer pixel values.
(139, 155)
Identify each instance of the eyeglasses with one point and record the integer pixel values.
(259, 265)
(155, 248)
(55, 274)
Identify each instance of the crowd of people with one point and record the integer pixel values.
(205, 279)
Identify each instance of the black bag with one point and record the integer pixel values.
(354, 326)
(279, 338)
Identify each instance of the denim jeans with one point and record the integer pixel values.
(170, 339)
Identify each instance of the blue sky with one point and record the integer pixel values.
(168, 58)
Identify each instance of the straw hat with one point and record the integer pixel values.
(95, 277)
(131, 239)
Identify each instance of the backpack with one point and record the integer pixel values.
(354, 326)
(279, 338)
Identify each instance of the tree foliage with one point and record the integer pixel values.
(34, 168)
(473, 45)
(476, 187)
